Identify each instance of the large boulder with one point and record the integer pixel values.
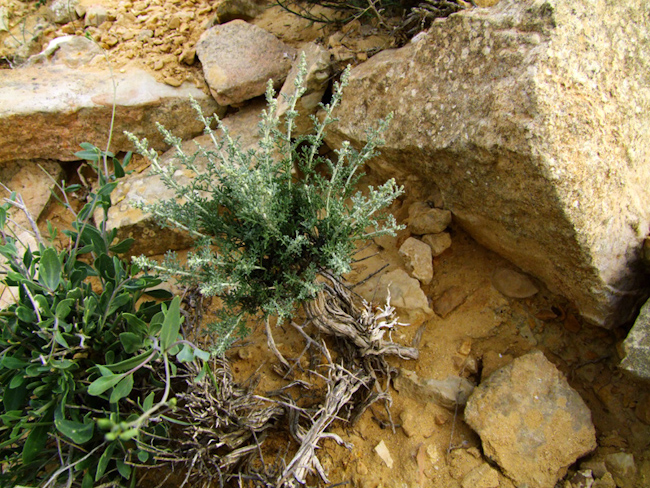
(533, 119)
(47, 110)
(531, 422)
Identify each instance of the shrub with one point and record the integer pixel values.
(85, 361)
(268, 221)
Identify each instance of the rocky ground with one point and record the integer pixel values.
(470, 312)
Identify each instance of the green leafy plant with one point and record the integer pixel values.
(86, 361)
(268, 221)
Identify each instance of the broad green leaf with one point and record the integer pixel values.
(148, 402)
(35, 443)
(186, 355)
(88, 481)
(11, 362)
(171, 324)
(43, 306)
(161, 294)
(130, 363)
(63, 308)
(201, 354)
(58, 337)
(25, 314)
(130, 342)
(122, 246)
(123, 468)
(122, 389)
(100, 385)
(17, 380)
(143, 456)
(49, 271)
(119, 301)
(76, 431)
(102, 464)
(15, 398)
(135, 322)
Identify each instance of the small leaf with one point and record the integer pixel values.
(102, 464)
(63, 308)
(122, 246)
(161, 294)
(201, 354)
(58, 337)
(143, 456)
(148, 402)
(122, 389)
(123, 468)
(130, 341)
(11, 362)
(25, 314)
(35, 443)
(49, 271)
(100, 385)
(76, 431)
(118, 302)
(186, 355)
(171, 324)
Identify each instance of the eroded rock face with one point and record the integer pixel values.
(531, 422)
(239, 59)
(47, 111)
(533, 119)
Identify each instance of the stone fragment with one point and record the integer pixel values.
(513, 284)
(405, 292)
(637, 345)
(530, 421)
(239, 59)
(581, 479)
(483, 476)
(449, 393)
(623, 469)
(438, 243)
(63, 11)
(450, 299)
(47, 111)
(418, 260)
(532, 118)
(147, 188)
(96, 15)
(410, 424)
(316, 80)
(382, 451)
(607, 481)
(426, 220)
(70, 51)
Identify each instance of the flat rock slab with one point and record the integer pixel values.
(637, 346)
(533, 119)
(239, 59)
(531, 422)
(47, 111)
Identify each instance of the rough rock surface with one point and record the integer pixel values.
(623, 469)
(418, 259)
(448, 393)
(531, 422)
(148, 188)
(513, 284)
(239, 59)
(533, 119)
(405, 293)
(438, 243)
(426, 220)
(316, 80)
(47, 111)
(637, 345)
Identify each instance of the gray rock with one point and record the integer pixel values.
(449, 393)
(418, 260)
(405, 292)
(239, 59)
(532, 117)
(623, 469)
(531, 422)
(47, 111)
(438, 243)
(637, 345)
(70, 51)
(63, 11)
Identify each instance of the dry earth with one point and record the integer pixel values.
(430, 445)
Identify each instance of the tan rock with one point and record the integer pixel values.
(239, 59)
(530, 421)
(513, 284)
(532, 118)
(418, 260)
(483, 476)
(438, 243)
(47, 111)
(426, 220)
